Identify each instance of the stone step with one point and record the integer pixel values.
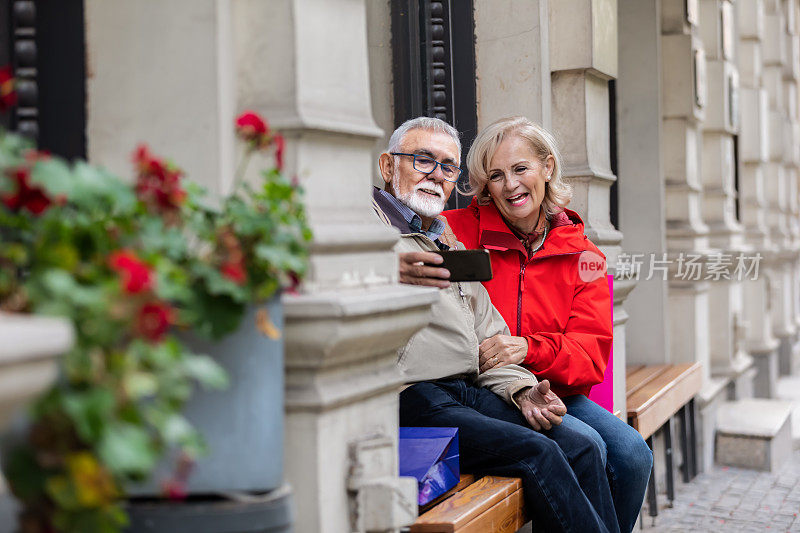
(788, 388)
(754, 433)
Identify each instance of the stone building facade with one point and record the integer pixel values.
(679, 124)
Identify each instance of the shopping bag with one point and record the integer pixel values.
(431, 456)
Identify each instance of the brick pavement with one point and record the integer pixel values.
(733, 499)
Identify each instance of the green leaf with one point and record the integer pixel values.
(156, 237)
(6, 185)
(63, 492)
(176, 429)
(91, 411)
(140, 385)
(24, 475)
(280, 257)
(216, 315)
(219, 285)
(54, 175)
(127, 449)
(206, 371)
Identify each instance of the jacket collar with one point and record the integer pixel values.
(494, 234)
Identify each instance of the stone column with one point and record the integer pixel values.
(343, 331)
(641, 189)
(180, 89)
(790, 359)
(512, 63)
(753, 156)
(581, 68)
(684, 102)
(685, 106)
(783, 264)
(721, 125)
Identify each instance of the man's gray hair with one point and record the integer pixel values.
(423, 123)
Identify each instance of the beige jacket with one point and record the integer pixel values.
(461, 319)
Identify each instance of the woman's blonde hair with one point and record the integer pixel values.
(557, 192)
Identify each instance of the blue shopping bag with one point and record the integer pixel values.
(431, 456)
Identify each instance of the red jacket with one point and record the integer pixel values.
(565, 316)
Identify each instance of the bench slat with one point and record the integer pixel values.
(505, 517)
(465, 506)
(463, 482)
(639, 376)
(654, 403)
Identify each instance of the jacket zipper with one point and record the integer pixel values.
(519, 297)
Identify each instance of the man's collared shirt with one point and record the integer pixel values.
(413, 220)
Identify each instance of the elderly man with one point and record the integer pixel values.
(497, 412)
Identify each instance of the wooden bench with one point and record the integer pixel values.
(654, 394)
(488, 504)
(495, 504)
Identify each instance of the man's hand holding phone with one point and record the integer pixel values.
(419, 268)
(438, 269)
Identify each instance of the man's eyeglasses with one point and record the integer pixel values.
(427, 165)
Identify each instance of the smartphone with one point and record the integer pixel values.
(467, 265)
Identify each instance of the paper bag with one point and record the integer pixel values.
(431, 456)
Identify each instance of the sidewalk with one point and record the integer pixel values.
(733, 499)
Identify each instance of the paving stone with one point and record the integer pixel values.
(730, 499)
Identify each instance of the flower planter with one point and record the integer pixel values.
(242, 425)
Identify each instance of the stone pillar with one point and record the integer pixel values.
(790, 359)
(581, 68)
(180, 89)
(720, 127)
(777, 44)
(753, 156)
(685, 105)
(684, 102)
(641, 189)
(343, 331)
(512, 63)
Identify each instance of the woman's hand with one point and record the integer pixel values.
(501, 350)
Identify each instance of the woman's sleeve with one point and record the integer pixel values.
(578, 356)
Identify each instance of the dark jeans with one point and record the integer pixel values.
(563, 479)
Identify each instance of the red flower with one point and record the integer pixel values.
(174, 490)
(8, 95)
(135, 274)
(251, 127)
(154, 320)
(27, 196)
(295, 283)
(234, 271)
(158, 184)
(280, 145)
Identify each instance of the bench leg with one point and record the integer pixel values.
(692, 441)
(652, 503)
(667, 429)
(684, 423)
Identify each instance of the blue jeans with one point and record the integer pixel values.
(564, 483)
(629, 460)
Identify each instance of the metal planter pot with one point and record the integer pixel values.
(243, 425)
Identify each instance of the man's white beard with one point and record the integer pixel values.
(421, 203)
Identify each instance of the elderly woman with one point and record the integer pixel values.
(557, 307)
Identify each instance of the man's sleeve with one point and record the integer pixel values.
(507, 380)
